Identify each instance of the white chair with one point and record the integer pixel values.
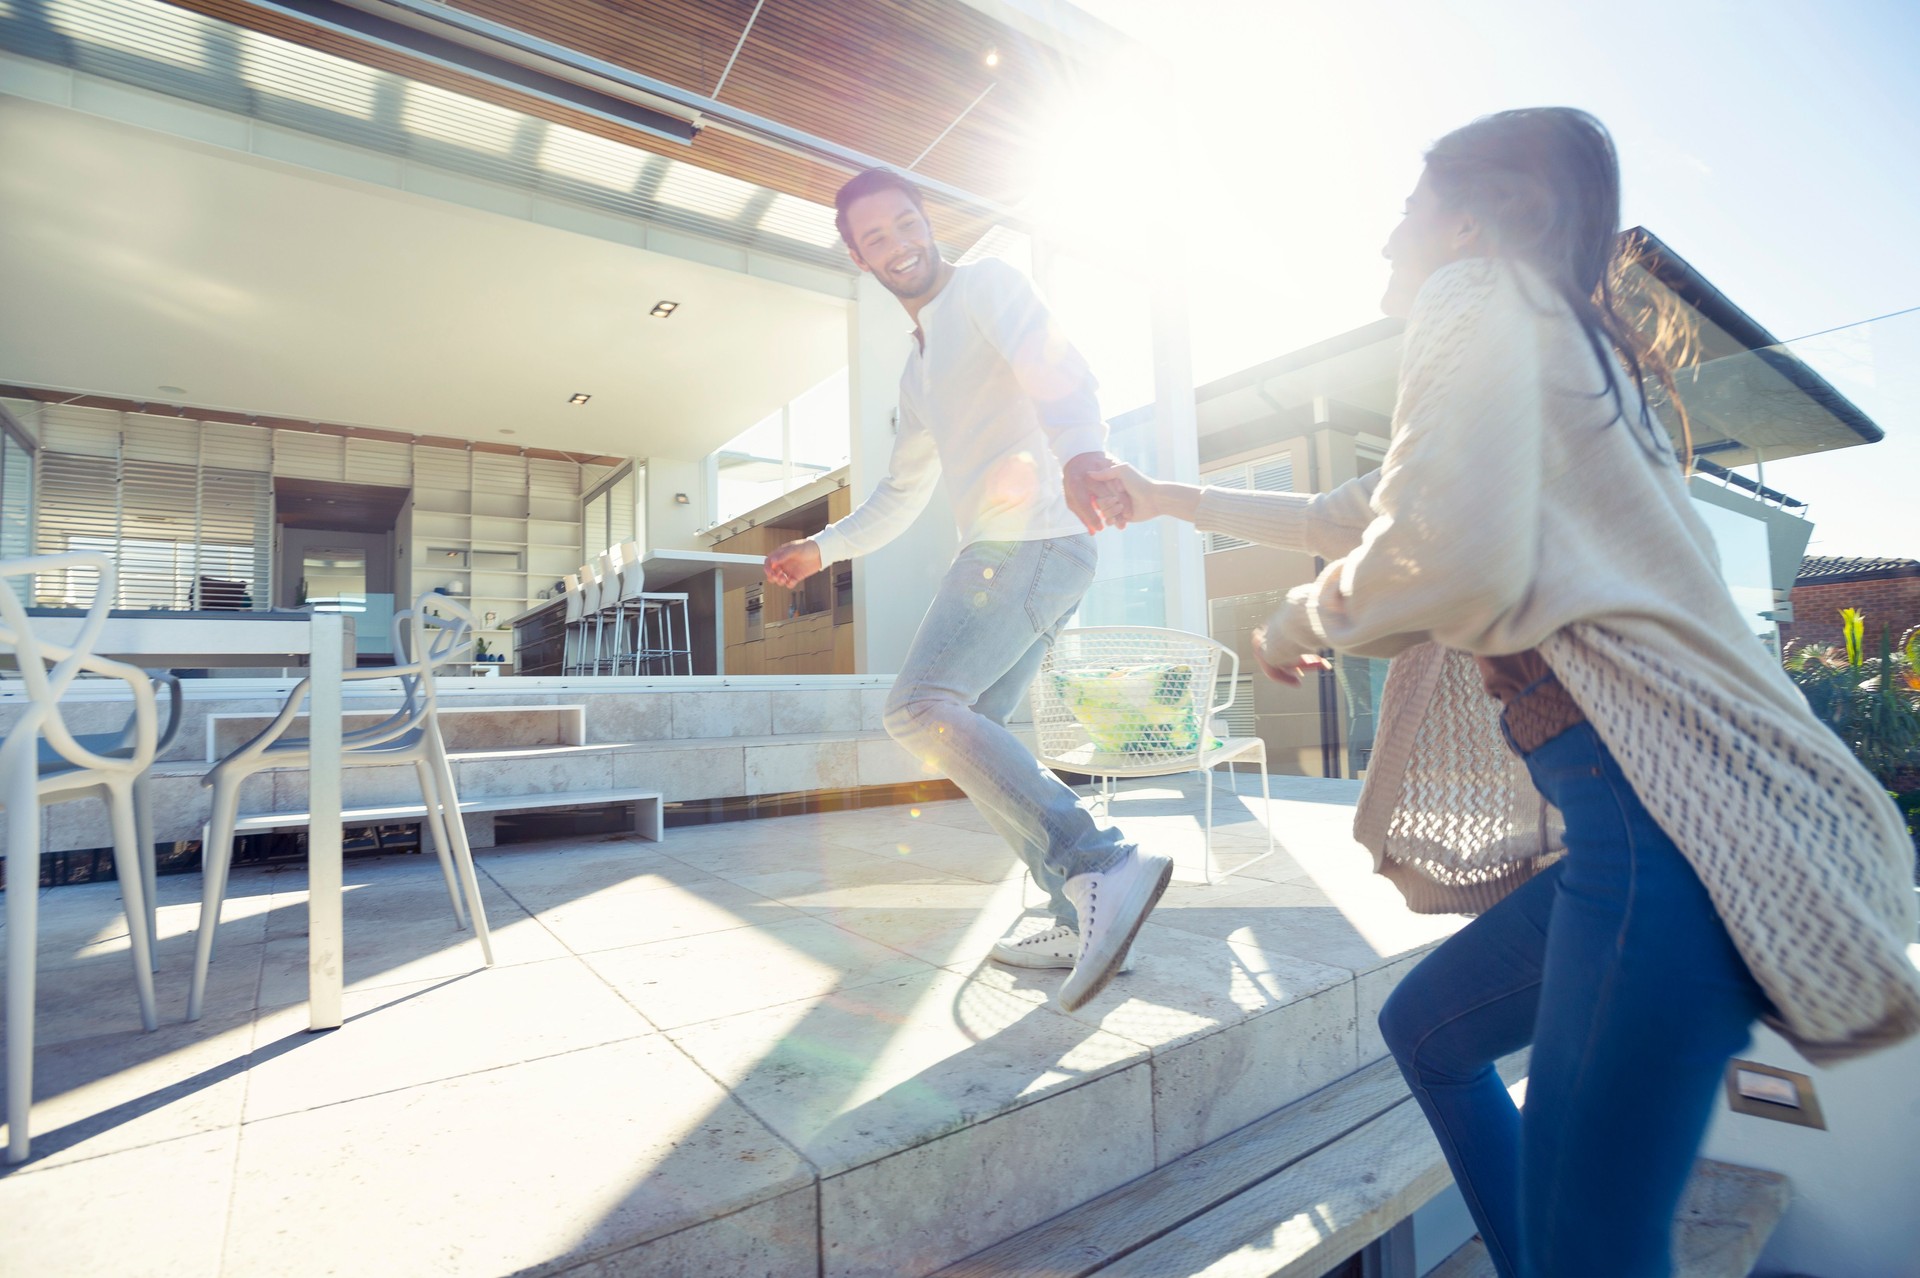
(1137, 701)
(651, 614)
(411, 734)
(572, 636)
(588, 628)
(77, 767)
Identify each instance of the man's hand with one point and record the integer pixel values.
(1289, 671)
(1086, 496)
(793, 563)
(1126, 496)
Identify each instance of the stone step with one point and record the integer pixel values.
(1725, 1219)
(1289, 1195)
(682, 771)
(648, 821)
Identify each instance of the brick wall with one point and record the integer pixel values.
(1893, 601)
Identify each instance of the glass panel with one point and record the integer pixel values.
(334, 580)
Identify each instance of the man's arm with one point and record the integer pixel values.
(912, 471)
(1011, 317)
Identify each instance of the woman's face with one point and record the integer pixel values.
(1429, 236)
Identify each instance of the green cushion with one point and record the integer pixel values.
(1133, 709)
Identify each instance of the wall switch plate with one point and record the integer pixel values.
(1765, 1091)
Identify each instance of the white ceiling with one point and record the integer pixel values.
(132, 261)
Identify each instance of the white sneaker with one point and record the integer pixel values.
(1112, 905)
(1056, 946)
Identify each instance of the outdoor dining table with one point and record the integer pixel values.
(324, 640)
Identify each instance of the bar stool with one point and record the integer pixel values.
(651, 642)
(575, 635)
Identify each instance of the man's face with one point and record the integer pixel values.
(892, 240)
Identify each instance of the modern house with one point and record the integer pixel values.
(330, 304)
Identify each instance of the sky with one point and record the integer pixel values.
(1775, 146)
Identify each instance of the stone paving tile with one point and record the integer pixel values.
(864, 1073)
(702, 978)
(529, 1166)
(158, 1210)
(402, 1036)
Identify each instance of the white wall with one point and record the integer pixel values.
(669, 525)
(1854, 1213)
(892, 587)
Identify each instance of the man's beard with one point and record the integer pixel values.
(932, 269)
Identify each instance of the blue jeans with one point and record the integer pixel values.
(997, 611)
(1615, 966)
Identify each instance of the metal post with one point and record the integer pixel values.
(325, 934)
(1177, 443)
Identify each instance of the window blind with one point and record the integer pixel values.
(149, 492)
(1265, 475)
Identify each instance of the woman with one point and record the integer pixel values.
(1529, 536)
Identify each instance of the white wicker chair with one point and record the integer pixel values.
(1137, 701)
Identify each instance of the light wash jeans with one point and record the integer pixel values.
(980, 645)
(1613, 964)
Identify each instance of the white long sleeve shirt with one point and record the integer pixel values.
(995, 400)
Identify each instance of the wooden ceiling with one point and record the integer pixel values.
(881, 77)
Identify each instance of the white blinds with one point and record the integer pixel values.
(1266, 475)
(610, 515)
(184, 508)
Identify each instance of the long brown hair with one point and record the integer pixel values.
(1544, 183)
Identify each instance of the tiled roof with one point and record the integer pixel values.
(1816, 568)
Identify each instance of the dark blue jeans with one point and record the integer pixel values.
(1614, 965)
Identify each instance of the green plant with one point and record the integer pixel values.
(1872, 703)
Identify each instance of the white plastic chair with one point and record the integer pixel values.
(411, 734)
(639, 605)
(1137, 701)
(74, 767)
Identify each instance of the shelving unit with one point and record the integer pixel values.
(493, 530)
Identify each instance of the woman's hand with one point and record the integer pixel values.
(1289, 671)
(1129, 497)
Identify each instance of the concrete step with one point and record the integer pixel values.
(1287, 1196)
(1725, 1219)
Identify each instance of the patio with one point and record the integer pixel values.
(758, 1047)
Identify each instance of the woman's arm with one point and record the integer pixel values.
(1451, 549)
(1325, 524)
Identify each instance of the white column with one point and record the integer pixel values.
(892, 587)
(326, 960)
(1177, 442)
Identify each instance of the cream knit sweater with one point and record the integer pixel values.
(1515, 509)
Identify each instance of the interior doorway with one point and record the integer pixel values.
(337, 553)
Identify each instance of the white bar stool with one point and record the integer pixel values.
(655, 642)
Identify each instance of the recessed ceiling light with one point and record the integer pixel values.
(993, 57)
(661, 310)
(578, 398)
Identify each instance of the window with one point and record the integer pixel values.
(788, 449)
(1266, 475)
(135, 488)
(16, 493)
(611, 513)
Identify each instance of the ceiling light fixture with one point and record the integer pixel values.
(993, 57)
(578, 398)
(662, 310)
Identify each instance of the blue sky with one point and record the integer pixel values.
(1776, 146)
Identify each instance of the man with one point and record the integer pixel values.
(990, 389)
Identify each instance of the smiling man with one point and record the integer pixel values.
(997, 404)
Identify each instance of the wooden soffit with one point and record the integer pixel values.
(881, 77)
